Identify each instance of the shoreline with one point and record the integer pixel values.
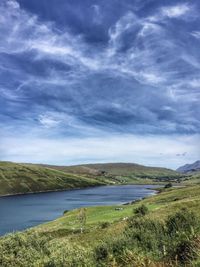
(77, 188)
(48, 191)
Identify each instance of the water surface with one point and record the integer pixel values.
(23, 211)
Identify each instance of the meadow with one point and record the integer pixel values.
(162, 230)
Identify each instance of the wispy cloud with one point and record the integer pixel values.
(176, 10)
(142, 79)
(128, 148)
(196, 34)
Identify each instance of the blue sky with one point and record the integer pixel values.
(100, 81)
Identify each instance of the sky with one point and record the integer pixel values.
(100, 81)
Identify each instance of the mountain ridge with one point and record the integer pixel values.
(188, 168)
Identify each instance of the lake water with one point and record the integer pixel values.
(24, 211)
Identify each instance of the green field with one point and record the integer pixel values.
(161, 230)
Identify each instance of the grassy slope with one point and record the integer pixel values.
(192, 178)
(160, 205)
(20, 178)
(121, 172)
(64, 234)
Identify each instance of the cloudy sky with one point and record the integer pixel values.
(100, 81)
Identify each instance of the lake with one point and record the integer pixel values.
(24, 211)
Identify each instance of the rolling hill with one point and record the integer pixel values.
(18, 178)
(121, 172)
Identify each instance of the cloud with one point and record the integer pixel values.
(97, 17)
(181, 154)
(180, 11)
(110, 148)
(196, 34)
(48, 121)
(13, 4)
(175, 11)
(142, 79)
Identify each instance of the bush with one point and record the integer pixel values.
(182, 228)
(104, 225)
(141, 210)
(65, 212)
(182, 222)
(146, 235)
(101, 252)
(186, 251)
(169, 185)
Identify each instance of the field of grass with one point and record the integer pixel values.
(162, 230)
(18, 178)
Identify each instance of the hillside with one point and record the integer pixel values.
(121, 172)
(190, 168)
(18, 178)
(162, 230)
(25, 178)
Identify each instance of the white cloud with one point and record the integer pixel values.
(48, 121)
(150, 59)
(111, 148)
(13, 4)
(175, 11)
(196, 34)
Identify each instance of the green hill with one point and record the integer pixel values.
(121, 172)
(18, 178)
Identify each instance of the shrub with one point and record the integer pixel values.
(182, 228)
(169, 185)
(65, 212)
(182, 222)
(147, 235)
(104, 225)
(101, 252)
(141, 210)
(186, 251)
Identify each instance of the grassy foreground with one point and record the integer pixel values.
(163, 230)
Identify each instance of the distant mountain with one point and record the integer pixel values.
(187, 168)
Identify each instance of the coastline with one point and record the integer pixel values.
(49, 191)
(77, 188)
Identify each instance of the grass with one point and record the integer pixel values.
(109, 238)
(161, 230)
(23, 178)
